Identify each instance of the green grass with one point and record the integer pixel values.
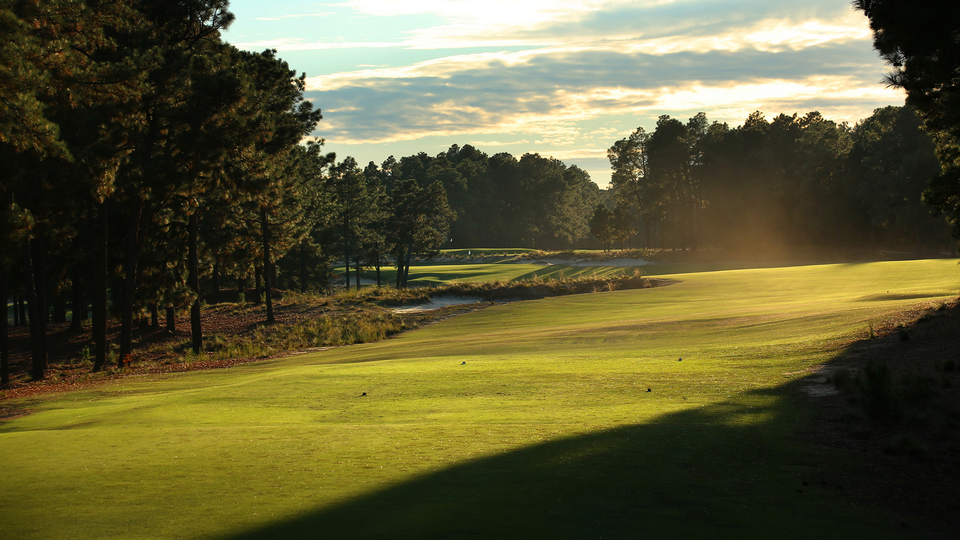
(546, 431)
(486, 252)
(437, 274)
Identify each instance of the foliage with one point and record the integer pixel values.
(358, 326)
(124, 124)
(793, 181)
(921, 44)
(601, 225)
(419, 223)
(501, 200)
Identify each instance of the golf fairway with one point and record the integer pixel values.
(525, 420)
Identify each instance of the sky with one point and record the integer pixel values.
(561, 78)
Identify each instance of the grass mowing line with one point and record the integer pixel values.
(548, 426)
(436, 274)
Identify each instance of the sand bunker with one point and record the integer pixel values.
(578, 262)
(439, 302)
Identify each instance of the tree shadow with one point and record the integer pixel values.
(735, 468)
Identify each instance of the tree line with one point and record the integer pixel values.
(502, 200)
(141, 154)
(145, 162)
(130, 129)
(461, 197)
(786, 182)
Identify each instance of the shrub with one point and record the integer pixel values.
(876, 387)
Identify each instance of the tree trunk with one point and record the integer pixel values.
(22, 310)
(242, 289)
(400, 258)
(4, 348)
(135, 240)
(60, 309)
(358, 274)
(193, 281)
(129, 285)
(257, 287)
(39, 251)
(346, 254)
(171, 320)
(406, 272)
(154, 317)
(38, 330)
(78, 303)
(265, 231)
(216, 277)
(303, 269)
(16, 310)
(100, 264)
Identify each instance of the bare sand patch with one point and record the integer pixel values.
(437, 303)
(588, 262)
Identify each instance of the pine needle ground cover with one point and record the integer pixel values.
(671, 411)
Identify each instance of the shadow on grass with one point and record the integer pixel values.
(419, 277)
(726, 470)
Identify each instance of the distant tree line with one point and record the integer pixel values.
(787, 182)
(500, 200)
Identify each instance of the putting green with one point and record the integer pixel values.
(525, 420)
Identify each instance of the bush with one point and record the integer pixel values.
(876, 387)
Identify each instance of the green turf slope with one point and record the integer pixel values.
(438, 274)
(526, 420)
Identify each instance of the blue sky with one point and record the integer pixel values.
(562, 78)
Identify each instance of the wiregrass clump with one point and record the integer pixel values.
(645, 254)
(351, 316)
(361, 326)
(909, 407)
(540, 286)
(347, 329)
(385, 296)
(887, 399)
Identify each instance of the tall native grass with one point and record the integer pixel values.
(537, 285)
(360, 326)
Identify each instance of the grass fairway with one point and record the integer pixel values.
(437, 274)
(526, 420)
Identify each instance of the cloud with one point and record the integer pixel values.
(456, 24)
(581, 154)
(510, 12)
(730, 24)
(295, 44)
(548, 93)
(568, 77)
(496, 144)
